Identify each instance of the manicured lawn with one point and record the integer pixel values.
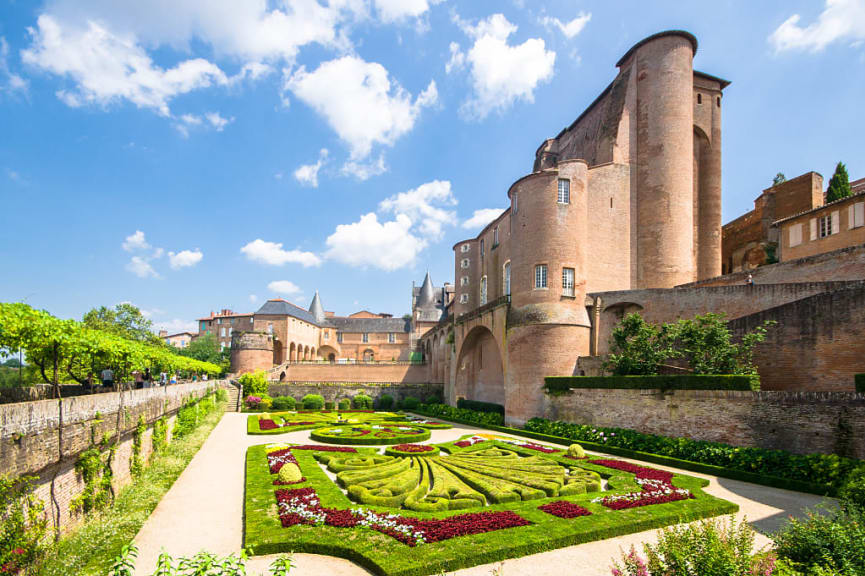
(478, 504)
(267, 423)
(370, 434)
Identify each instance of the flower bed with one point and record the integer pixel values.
(431, 424)
(287, 421)
(370, 434)
(657, 487)
(412, 450)
(564, 509)
(469, 441)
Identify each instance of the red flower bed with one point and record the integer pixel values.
(539, 448)
(299, 424)
(412, 448)
(279, 482)
(267, 425)
(564, 509)
(657, 487)
(276, 459)
(641, 472)
(642, 499)
(324, 448)
(470, 442)
(302, 506)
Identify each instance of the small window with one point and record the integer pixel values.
(795, 235)
(699, 98)
(464, 281)
(391, 337)
(540, 276)
(514, 204)
(482, 248)
(202, 327)
(229, 332)
(828, 224)
(507, 279)
(495, 236)
(464, 263)
(465, 248)
(250, 319)
(339, 337)
(857, 215)
(719, 101)
(567, 281)
(564, 191)
(464, 298)
(483, 290)
(270, 328)
(219, 320)
(365, 337)
(222, 332)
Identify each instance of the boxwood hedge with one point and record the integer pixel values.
(556, 384)
(479, 406)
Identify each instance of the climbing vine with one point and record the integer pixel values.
(160, 434)
(136, 464)
(95, 472)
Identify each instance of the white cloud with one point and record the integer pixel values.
(284, 287)
(500, 73)
(360, 102)
(364, 170)
(401, 10)
(253, 298)
(184, 258)
(217, 121)
(368, 242)
(424, 206)
(140, 266)
(569, 29)
(482, 217)
(9, 81)
(211, 119)
(136, 241)
(272, 253)
(840, 20)
(307, 174)
(457, 60)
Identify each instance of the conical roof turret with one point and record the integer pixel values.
(426, 297)
(316, 309)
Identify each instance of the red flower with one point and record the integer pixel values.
(413, 448)
(267, 424)
(564, 509)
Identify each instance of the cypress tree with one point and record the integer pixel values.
(839, 185)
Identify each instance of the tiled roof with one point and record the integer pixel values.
(357, 325)
(280, 307)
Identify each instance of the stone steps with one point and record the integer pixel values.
(233, 399)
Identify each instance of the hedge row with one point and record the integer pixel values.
(478, 406)
(557, 384)
(461, 415)
(859, 379)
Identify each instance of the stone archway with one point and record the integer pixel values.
(368, 355)
(480, 371)
(278, 352)
(327, 353)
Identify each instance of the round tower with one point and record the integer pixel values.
(548, 327)
(251, 351)
(662, 65)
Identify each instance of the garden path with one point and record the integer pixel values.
(203, 510)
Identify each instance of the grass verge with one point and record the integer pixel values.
(91, 547)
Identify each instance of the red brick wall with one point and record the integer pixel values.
(405, 373)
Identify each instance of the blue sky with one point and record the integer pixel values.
(160, 152)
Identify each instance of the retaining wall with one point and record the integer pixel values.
(334, 393)
(397, 373)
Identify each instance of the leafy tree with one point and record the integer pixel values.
(706, 344)
(839, 185)
(638, 347)
(206, 349)
(125, 320)
(779, 179)
(12, 363)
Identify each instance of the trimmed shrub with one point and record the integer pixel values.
(554, 384)
(479, 406)
(362, 402)
(254, 383)
(328, 405)
(344, 404)
(266, 403)
(410, 403)
(576, 451)
(462, 415)
(290, 473)
(284, 403)
(385, 402)
(859, 380)
(313, 402)
(433, 399)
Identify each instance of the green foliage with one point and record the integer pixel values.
(312, 402)
(433, 399)
(206, 349)
(328, 405)
(365, 435)
(852, 495)
(192, 413)
(704, 343)
(284, 403)
(839, 184)
(859, 381)
(826, 542)
(222, 395)
(827, 470)
(97, 474)
(779, 179)
(708, 548)
(254, 383)
(479, 406)
(290, 473)
(410, 403)
(124, 320)
(160, 434)
(202, 564)
(344, 404)
(27, 376)
(362, 402)
(266, 403)
(136, 465)
(385, 402)
(555, 384)
(23, 524)
(576, 451)
(463, 415)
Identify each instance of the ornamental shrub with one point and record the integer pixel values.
(481, 406)
(254, 383)
(344, 404)
(385, 402)
(284, 403)
(313, 402)
(290, 473)
(266, 403)
(852, 495)
(328, 405)
(465, 415)
(253, 402)
(22, 524)
(825, 542)
(362, 402)
(410, 403)
(576, 451)
(433, 399)
(222, 395)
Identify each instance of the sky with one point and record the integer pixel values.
(193, 155)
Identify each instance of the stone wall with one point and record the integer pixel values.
(33, 443)
(404, 373)
(334, 393)
(802, 422)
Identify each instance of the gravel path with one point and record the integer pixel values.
(204, 511)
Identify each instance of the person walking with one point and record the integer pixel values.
(139, 379)
(163, 379)
(147, 377)
(108, 378)
(174, 377)
(750, 280)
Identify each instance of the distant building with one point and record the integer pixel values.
(178, 340)
(223, 324)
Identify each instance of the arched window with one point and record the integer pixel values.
(483, 290)
(506, 279)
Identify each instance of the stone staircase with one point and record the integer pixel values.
(233, 399)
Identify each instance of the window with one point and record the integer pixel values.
(483, 290)
(222, 332)
(514, 204)
(250, 319)
(365, 337)
(391, 337)
(567, 281)
(507, 279)
(795, 235)
(219, 320)
(229, 332)
(482, 248)
(857, 215)
(464, 263)
(564, 191)
(540, 276)
(231, 320)
(339, 337)
(495, 236)
(202, 327)
(827, 225)
(270, 328)
(719, 101)
(699, 98)
(326, 335)
(465, 248)
(464, 281)
(464, 298)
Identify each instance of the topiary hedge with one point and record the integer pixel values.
(479, 406)
(284, 403)
(410, 403)
(859, 379)
(462, 415)
(362, 402)
(344, 404)
(558, 384)
(313, 402)
(370, 434)
(385, 402)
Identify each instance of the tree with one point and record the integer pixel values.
(124, 320)
(637, 347)
(706, 344)
(779, 179)
(206, 349)
(839, 185)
